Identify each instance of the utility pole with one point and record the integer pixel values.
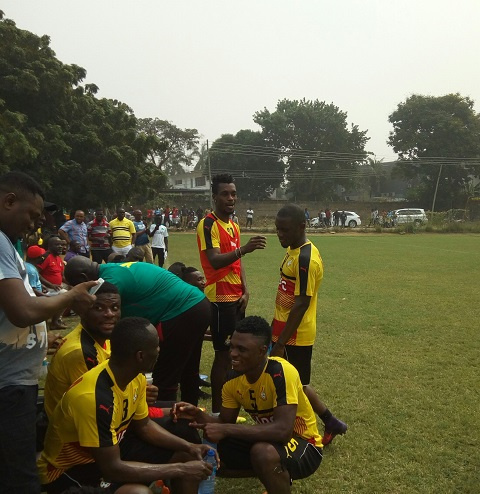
(435, 193)
(209, 175)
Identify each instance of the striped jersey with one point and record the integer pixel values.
(301, 273)
(122, 232)
(224, 284)
(77, 354)
(279, 384)
(93, 413)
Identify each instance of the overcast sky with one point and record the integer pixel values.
(212, 64)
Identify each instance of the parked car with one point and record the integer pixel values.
(353, 220)
(410, 215)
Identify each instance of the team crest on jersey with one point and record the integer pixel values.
(289, 262)
(135, 395)
(263, 395)
(227, 341)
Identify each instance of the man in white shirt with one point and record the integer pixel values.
(159, 235)
(249, 218)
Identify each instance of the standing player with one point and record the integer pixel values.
(294, 324)
(218, 239)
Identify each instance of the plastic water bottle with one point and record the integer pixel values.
(208, 486)
(149, 377)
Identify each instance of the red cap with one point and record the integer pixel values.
(35, 251)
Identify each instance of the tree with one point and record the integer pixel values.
(437, 136)
(257, 170)
(85, 151)
(319, 150)
(175, 149)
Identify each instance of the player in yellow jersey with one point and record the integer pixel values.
(87, 441)
(284, 444)
(295, 320)
(218, 239)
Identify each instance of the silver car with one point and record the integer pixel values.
(410, 215)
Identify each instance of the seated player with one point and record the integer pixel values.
(82, 442)
(284, 445)
(85, 347)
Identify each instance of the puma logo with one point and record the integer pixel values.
(303, 269)
(277, 375)
(107, 409)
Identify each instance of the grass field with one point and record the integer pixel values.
(396, 357)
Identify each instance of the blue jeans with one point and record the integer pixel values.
(18, 468)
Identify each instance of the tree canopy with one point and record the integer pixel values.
(175, 149)
(256, 169)
(430, 131)
(319, 149)
(83, 150)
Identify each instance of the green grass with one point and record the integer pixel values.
(396, 357)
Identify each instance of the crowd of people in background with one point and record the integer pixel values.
(102, 411)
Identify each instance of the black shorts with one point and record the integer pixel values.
(225, 316)
(299, 457)
(301, 358)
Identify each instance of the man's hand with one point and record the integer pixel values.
(184, 410)
(256, 242)
(57, 288)
(278, 350)
(54, 341)
(81, 299)
(197, 470)
(212, 432)
(152, 395)
(200, 451)
(243, 302)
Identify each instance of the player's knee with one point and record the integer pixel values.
(264, 456)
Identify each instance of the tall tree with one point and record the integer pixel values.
(257, 169)
(319, 149)
(175, 149)
(431, 132)
(85, 151)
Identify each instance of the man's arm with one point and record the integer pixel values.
(243, 300)
(64, 236)
(166, 243)
(295, 317)
(23, 310)
(280, 429)
(218, 260)
(114, 469)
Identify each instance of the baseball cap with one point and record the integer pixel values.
(35, 251)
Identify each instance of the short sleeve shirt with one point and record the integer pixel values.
(52, 269)
(158, 239)
(95, 412)
(278, 385)
(224, 284)
(77, 231)
(122, 232)
(98, 233)
(301, 273)
(140, 227)
(77, 354)
(22, 350)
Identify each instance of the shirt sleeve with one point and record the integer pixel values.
(142, 408)
(132, 228)
(228, 396)
(8, 263)
(307, 272)
(66, 227)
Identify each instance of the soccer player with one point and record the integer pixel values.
(284, 444)
(85, 347)
(82, 442)
(218, 239)
(183, 310)
(295, 320)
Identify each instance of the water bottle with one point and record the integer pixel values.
(149, 378)
(158, 487)
(208, 486)
(44, 369)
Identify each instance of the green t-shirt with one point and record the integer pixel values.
(150, 291)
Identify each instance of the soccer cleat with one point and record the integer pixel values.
(333, 428)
